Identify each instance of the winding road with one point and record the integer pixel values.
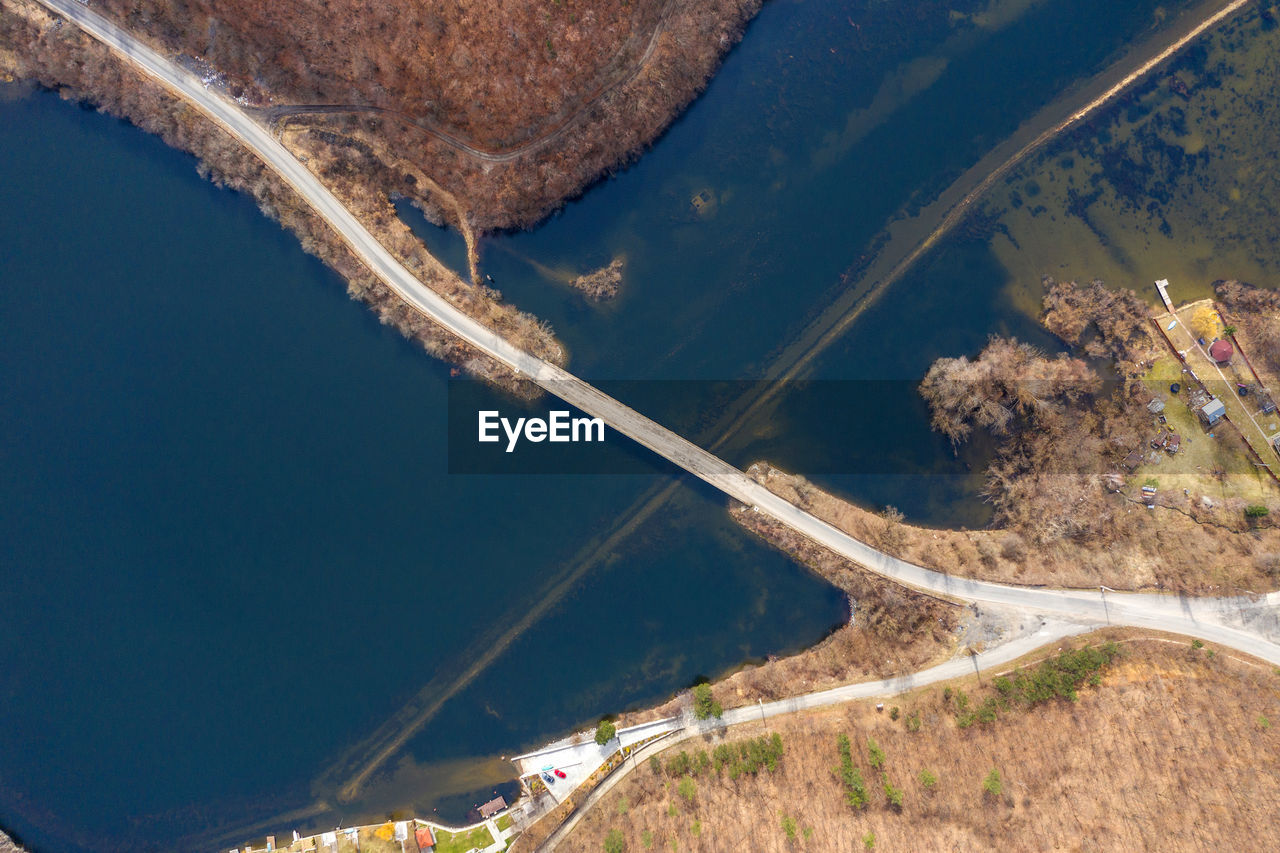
(1244, 623)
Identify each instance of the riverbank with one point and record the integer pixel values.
(1172, 547)
(395, 835)
(1106, 471)
(37, 46)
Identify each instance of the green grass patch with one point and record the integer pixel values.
(461, 842)
(855, 788)
(1059, 677)
(743, 758)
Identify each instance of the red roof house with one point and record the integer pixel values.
(1221, 351)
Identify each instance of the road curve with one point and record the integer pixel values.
(1224, 621)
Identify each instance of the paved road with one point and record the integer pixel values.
(579, 755)
(1241, 623)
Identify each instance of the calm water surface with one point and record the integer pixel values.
(228, 541)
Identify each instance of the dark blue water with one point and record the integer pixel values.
(228, 543)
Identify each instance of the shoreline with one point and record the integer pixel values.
(8, 845)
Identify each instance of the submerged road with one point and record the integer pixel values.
(1245, 623)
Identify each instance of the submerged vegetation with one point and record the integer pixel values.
(1175, 180)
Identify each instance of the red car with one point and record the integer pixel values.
(560, 773)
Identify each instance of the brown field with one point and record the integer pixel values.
(1174, 750)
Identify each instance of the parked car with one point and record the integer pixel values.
(548, 778)
(560, 773)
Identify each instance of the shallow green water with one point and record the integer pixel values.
(821, 127)
(1177, 180)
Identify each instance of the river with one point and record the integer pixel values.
(231, 547)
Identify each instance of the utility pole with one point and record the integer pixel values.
(1103, 590)
(760, 702)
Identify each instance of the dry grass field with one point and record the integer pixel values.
(1175, 749)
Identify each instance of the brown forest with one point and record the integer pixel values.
(510, 106)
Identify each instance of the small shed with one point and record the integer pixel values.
(1213, 411)
(1155, 407)
(1161, 439)
(424, 838)
(1221, 351)
(1133, 460)
(1174, 442)
(492, 807)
